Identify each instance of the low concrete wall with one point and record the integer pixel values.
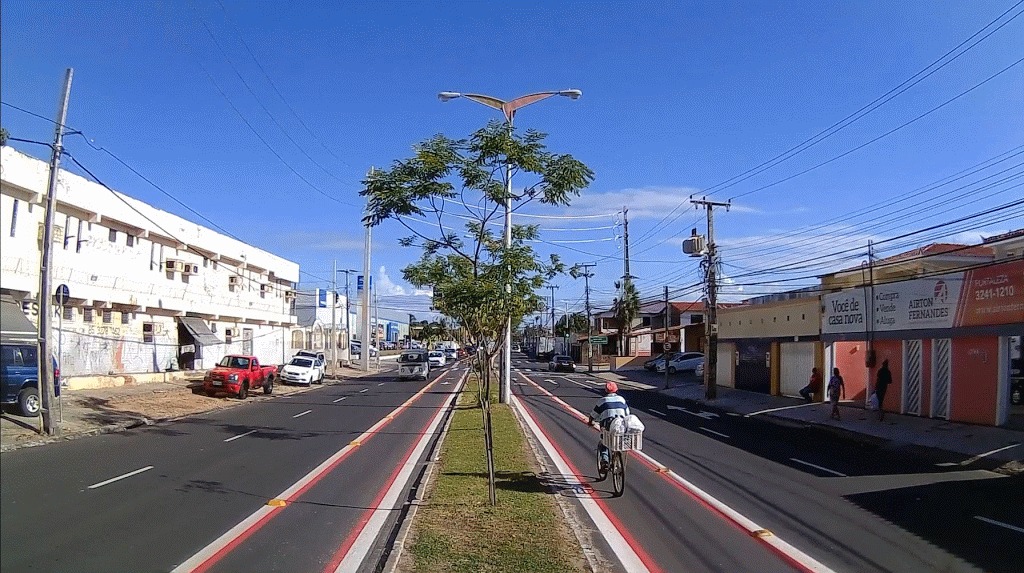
(628, 362)
(115, 380)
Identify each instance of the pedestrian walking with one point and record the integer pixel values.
(812, 387)
(836, 387)
(882, 382)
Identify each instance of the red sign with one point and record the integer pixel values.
(992, 295)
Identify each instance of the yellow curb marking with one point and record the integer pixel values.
(762, 533)
(277, 503)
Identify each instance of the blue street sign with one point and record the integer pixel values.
(359, 283)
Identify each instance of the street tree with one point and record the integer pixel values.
(475, 278)
(568, 325)
(3, 136)
(626, 307)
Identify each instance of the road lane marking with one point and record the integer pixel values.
(363, 390)
(381, 384)
(973, 459)
(578, 383)
(233, 438)
(550, 381)
(658, 412)
(819, 467)
(710, 431)
(795, 556)
(340, 399)
(792, 407)
(220, 547)
(301, 414)
(626, 549)
(349, 557)
(120, 477)
(705, 415)
(1000, 523)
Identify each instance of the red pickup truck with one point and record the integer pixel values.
(236, 374)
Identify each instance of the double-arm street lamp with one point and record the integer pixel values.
(508, 109)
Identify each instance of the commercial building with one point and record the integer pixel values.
(149, 291)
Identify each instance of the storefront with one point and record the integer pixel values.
(948, 340)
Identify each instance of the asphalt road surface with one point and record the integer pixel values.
(842, 504)
(200, 494)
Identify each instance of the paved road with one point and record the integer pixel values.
(200, 477)
(848, 505)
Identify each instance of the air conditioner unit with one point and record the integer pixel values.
(174, 266)
(233, 280)
(266, 288)
(191, 269)
(289, 295)
(229, 332)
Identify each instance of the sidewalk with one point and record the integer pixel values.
(103, 410)
(968, 441)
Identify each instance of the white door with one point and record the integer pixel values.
(796, 361)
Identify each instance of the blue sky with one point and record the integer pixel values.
(677, 97)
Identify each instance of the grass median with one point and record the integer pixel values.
(457, 530)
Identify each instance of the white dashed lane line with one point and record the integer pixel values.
(301, 414)
(120, 477)
(1000, 524)
(834, 472)
(340, 399)
(233, 438)
(363, 390)
(710, 431)
(381, 384)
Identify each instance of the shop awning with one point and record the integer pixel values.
(200, 331)
(14, 325)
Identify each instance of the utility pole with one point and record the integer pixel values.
(565, 333)
(334, 320)
(365, 344)
(625, 245)
(376, 326)
(553, 288)
(665, 345)
(586, 274)
(47, 423)
(711, 284)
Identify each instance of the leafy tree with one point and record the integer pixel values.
(575, 323)
(3, 136)
(476, 279)
(626, 307)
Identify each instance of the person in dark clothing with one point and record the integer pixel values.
(881, 385)
(812, 387)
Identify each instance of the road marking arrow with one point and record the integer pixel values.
(705, 415)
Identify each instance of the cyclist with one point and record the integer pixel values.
(611, 406)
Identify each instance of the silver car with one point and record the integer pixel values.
(683, 362)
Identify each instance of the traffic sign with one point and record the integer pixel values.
(599, 340)
(62, 295)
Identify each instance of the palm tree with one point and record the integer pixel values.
(626, 309)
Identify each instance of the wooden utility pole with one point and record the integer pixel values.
(553, 288)
(711, 285)
(46, 395)
(586, 274)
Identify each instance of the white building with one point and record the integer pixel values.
(149, 291)
(314, 315)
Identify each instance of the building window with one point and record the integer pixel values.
(87, 314)
(14, 217)
(108, 316)
(112, 235)
(645, 321)
(803, 317)
(297, 339)
(69, 313)
(228, 335)
(147, 331)
(130, 240)
(125, 316)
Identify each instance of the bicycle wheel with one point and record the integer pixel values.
(602, 468)
(618, 471)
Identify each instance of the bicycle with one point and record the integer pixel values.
(617, 445)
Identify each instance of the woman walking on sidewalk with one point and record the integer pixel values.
(835, 388)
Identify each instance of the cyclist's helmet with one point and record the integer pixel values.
(611, 388)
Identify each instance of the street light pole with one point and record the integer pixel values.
(508, 109)
(348, 311)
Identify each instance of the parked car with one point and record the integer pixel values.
(699, 370)
(236, 374)
(356, 349)
(303, 369)
(561, 362)
(516, 348)
(683, 362)
(413, 364)
(437, 359)
(652, 364)
(19, 375)
(312, 354)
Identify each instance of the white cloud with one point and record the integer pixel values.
(385, 285)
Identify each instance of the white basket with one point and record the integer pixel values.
(623, 442)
